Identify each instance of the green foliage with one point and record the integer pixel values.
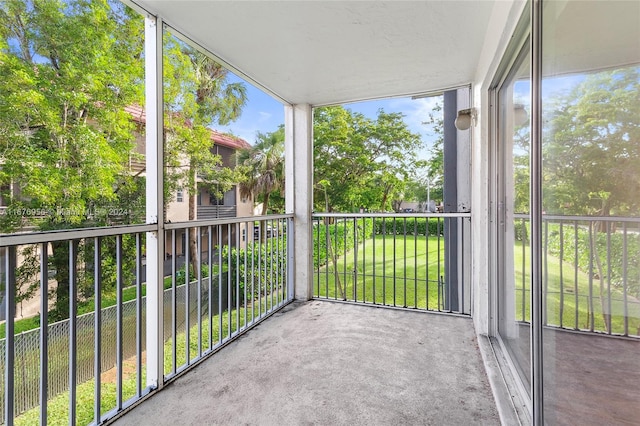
(615, 262)
(197, 94)
(410, 226)
(65, 136)
(341, 235)
(67, 70)
(591, 146)
(361, 162)
(262, 170)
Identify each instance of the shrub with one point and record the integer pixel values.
(410, 226)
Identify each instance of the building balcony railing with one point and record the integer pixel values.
(50, 374)
(91, 366)
(415, 261)
(216, 212)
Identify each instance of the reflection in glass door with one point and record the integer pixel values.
(514, 321)
(591, 212)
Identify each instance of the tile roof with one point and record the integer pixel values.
(139, 116)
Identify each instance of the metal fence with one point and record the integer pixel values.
(27, 354)
(591, 273)
(414, 261)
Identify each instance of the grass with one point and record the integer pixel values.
(564, 294)
(222, 326)
(388, 272)
(398, 275)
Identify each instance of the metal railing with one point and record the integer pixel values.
(239, 282)
(591, 273)
(100, 356)
(415, 261)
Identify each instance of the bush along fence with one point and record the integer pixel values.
(341, 236)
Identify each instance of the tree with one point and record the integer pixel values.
(360, 162)
(67, 70)
(592, 146)
(435, 170)
(591, 152)
(263, 167)
(197, 95)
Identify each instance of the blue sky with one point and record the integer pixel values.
(264, 114)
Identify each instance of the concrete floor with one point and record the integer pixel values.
(334, 364)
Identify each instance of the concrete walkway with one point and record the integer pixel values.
(323, 363)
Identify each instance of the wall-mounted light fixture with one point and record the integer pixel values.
(520, 115)
(465, 118)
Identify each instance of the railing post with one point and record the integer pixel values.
(154, 199)
(9, 348)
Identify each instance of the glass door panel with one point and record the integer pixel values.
(514, 321)
(591, 212)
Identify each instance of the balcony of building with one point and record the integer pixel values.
(476, 315)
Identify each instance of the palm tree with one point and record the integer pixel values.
(216, 101)
(263, 166)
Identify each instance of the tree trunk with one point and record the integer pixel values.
(383, 204)
(330, 252)
(334, 260)
(60, 261)
(606, 315)
(265, 209)
(194, 259)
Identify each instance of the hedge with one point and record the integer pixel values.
(586, 258)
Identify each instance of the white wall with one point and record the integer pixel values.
(504, 18)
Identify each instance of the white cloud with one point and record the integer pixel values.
(417, 113)
(264, 116)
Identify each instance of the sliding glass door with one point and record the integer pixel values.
(513, 142)
(578, 357)
(591, 212)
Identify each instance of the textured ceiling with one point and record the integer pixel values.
(324, 52)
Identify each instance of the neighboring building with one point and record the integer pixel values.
(209, 206)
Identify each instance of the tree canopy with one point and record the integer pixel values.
(591, 146)
(361, 162)
(263, 168)
(68, 69)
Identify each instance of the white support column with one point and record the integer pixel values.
(463, 179)
(154, 199)
(299, 193)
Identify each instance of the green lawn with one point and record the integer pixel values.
(387, 272)
(561, 305)
(406, 266)
(58, 412)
